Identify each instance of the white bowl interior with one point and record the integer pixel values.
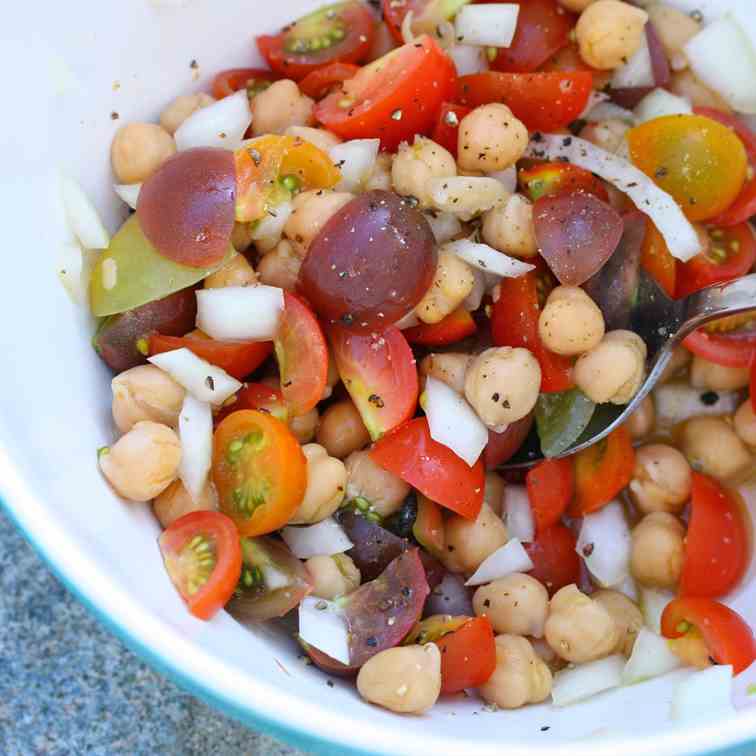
(77, 63)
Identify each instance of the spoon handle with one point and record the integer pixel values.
(717, 301)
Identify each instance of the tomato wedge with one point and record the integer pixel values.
(468, 655)
(657, 260)
(378, 371)
(742, 208)
(602, 471)
(545, 101)
(302, 355)
(446, 130)
(254, 80)
(259, 470)
(716, 544)
(203, 559)
(551, 486)
(735, 350)
(319, 83)
(726, 634)
(432, 468)
(555, 561)
(501, 447)
(256, 396)
(426, 15)
(454, 327)
(428, 528)
(393, 98)
(548, 179)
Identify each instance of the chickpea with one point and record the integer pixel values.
(490, 139)
(341, 430)
(311, 211)
(673, 28)
(303, 426)
(578, 628)
(609, 32)
(520, 676)
(380, 176)
(656, 558)
(709, 375)
(279, 106)
(384, 490)
(449, 367)
(320, 138)
(626, 615)
(469, 542)
(679, 360)
(145, 392)
(280, 267)
(642, 420)
(181, 108)
(467, 197)
(614, 370)
(517, 604)
(608, 134)
(502, 385)
(571, 322)
(509, 227)
(326, 484)
(404, 679)
(415, 165)
(236, 272)
(143, 462)
(138, 150)
(176, 501)
(662, 479)
(452, 282)
(713, 447)
(494, 492)
(686, 84)
(745, 423)
(333, 576)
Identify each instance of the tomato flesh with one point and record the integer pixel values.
(254, 80)
(468, 655)
(319, 83)
(550, 485)
(657, 260)
(735, 350)
(256, 396)
(555, 561)
(454, 327)
(548, 179)
(446, 130)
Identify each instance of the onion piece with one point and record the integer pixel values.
(492, 25)
(82, 216)
(355, 159)
(206, 382)
(605, 111)
(651, 657)
(488, 259)
(469, 59)
(676, 402)
(474, 299)
(509, 558)
(660, 103)
(240, 312)
(453, 422)
(221, 124)
(326, 538)
(70, 268)
(196, 434)
(271, 225)
(518, 514)
(507, 178)
(274, 578)
(410, 320)
(445, 226)
(704, 696)
(466, 196)
(129, 193)
(679, 234)
(604, 544)
(637, 72)
(322, 624)
(408, 36)
(585, 680)
(653, 602)
(629, 588)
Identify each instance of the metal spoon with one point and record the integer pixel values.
(662, 323)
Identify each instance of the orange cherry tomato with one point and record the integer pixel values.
(657, 260)
(455, 326)
(259, 470)
(428, 527)
(699, 161)
(468, 655)
(550, 485)
(555, 561)
(319, 83)
(203, 558)
(254, 80)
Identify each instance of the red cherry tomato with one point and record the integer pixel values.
(542, 101)
(393, 98)
(551, 486)
(743, 208)
(657, 260)
(254, 80)
(555, 561)
(468, 656)
(728, 637)
(454, 327)
(747, 136)
(548, 179)
(202, 556)
(426, 15)
(320, 82)
(432, 468)
(446, 130)
(735, 350)
(340, 33)
(256, 396)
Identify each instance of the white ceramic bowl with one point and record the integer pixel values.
(66, 68)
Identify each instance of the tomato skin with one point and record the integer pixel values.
(742, 208)
(220, 585)
(432, 468)
(446, 131)
(726, 634)
(716, 544)
(501, 447)
(602, 471)
(232, 80)
(657, 260)
(548, 179)
(256, 396)
(550, 485)
(544, 101)
(747, 136)
(555, 560)
(454, 327)
(318, 83)
(730, 351)
(468, 656)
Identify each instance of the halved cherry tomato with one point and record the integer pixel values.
(256, 396)
(341, 33)
(426, 15)
(394, 98)
(454, 327)
(602, 471)
(551, 486)
(446, 130)
(736, 350)
(302, 355)
(203, 558)
(501, 447)
(555, 561)
(237, 358)
(432, 468)
(542, 101)
(259, 470)
(547, 179)
(317, 84)
(726, 634)
(378, 371)
(747, 136)
(468, 655)
(657, 260)
(716, 544)
(700, 162)
(254, 80)
(568, 59)
(428, 527)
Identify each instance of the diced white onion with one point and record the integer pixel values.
(704, 696)
(453, 422)
(507, 178)
(604, 544)
(445, 226)
(605, 111)
(466, 196)
(651, 657)
(676, 402)
(221, 124)
(408, 321)
(82, 216)
(408, 36)
(274, 578)
(272, 223)
(653, 602)
(666, 214)
(518, 514)
(585, 680)
(129, 193)
(595, 98)
(492, 25)
(240, 312)
(660, 102)
(475, 297)
(469, 59)
(70, 268)
(196, 434)
(629, 588)
(509, 558)
(206, 382)
(322, 624)
(488, 259)
(637, 72)
(326, 538)
(355, 159)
